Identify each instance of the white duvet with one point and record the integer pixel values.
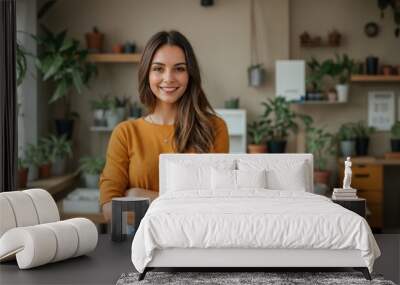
(253, 218)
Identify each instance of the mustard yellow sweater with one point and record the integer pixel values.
(133, 151)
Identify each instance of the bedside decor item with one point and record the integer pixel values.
(381, 110)
(94, 41)
(395, 137)
(120, 207)
(346, 192)
(91, 168)
(256, 71)
(371, 29)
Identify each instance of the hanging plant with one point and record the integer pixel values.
(395, 5)
(256, 71)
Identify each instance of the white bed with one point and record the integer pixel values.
(239, 210)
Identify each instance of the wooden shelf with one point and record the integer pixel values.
(317, 102)
(114, 57)
(375, 78)
(57, 186)
(319, 44)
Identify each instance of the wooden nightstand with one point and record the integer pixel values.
(355, 205)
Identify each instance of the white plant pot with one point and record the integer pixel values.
(121, 113)
(342, 92)
(59, 166)
(91, 180)
(112, 118)
(99, 117)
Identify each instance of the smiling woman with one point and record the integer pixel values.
(180, 119)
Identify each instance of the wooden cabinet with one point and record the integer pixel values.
(377, 180)
(368, 180)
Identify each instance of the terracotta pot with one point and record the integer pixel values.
(94, 42)
(22, 177)
(386, 70)
(118, 48)
(257, 148)
(45, 171)
(321, 177)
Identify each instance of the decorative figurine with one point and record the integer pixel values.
(347, 174)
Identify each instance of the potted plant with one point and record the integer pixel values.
(135, 110)
(362, 133)
(334, 38)
(320, 144)
(395, 140)
(346, 137)
(33, 158)
(256, 75)
(44, 154)
(232, 103)
(94, 40)
(314, 80)
(346, 68)
(121, 104)
(112, 115)
(91, 168)
(60, 149)
(280, 121)
(23, 170)
(64, 63)
(257, 131)
(99, 108)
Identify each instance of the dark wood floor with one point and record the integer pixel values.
(389, 262)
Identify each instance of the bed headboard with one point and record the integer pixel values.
(213, 158)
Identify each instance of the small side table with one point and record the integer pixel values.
(138, 205)
(357, 205)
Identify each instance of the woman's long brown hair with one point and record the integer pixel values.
(193, 125)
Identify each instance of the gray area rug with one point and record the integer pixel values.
(230, 278)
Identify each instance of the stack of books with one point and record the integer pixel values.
(344, 194)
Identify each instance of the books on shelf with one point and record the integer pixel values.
(344, 194)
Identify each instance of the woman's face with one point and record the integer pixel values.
(168, 74)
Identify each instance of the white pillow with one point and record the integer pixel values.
(225, 179)
(289, 174)
(193, 175)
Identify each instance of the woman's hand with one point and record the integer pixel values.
(132, 192)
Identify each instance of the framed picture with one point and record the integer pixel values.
(381, 110)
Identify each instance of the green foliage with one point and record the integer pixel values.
(38, 154)
(63, 62)
(279, 119)
(257, 131)
(395, 130)
(59, 147)
(346, 132)
(92, 165)
(321, 144)
(22, 163)
(21, 64)
(339, 69)
(101, 103)
(362, 131)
